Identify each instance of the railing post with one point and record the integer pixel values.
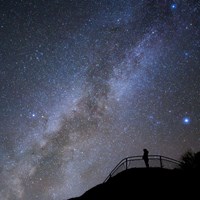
(161, 165)
(126, 163)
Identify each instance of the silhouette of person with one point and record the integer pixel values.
(145, 157)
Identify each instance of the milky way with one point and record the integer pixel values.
(85, 83)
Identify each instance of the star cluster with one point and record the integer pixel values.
(85, 83)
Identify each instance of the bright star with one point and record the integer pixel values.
(174, 6)
(186, 120)
(33, 115)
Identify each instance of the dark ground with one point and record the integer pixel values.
(151, 183)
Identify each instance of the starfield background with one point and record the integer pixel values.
(86, 83)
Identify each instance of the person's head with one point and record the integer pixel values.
(145, 150)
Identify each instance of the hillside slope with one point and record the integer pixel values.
(156, 183)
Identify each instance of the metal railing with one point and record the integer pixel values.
(137, 162)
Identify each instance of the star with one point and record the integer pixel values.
(186, 120)
(174, 6)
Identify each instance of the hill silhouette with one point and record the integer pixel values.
(155, 183)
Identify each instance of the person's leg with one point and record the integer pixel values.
(147, 163)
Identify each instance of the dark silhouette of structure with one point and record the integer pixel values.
(145, 157)
(158, 161)
(164, 179)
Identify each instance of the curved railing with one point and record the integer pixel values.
(138, 162)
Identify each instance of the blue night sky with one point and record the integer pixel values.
(86, 83)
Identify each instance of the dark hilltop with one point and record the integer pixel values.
(147, 182)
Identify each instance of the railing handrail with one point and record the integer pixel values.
(134, 158)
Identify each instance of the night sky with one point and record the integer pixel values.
(84, 84)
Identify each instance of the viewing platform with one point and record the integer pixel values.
(155, 161)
